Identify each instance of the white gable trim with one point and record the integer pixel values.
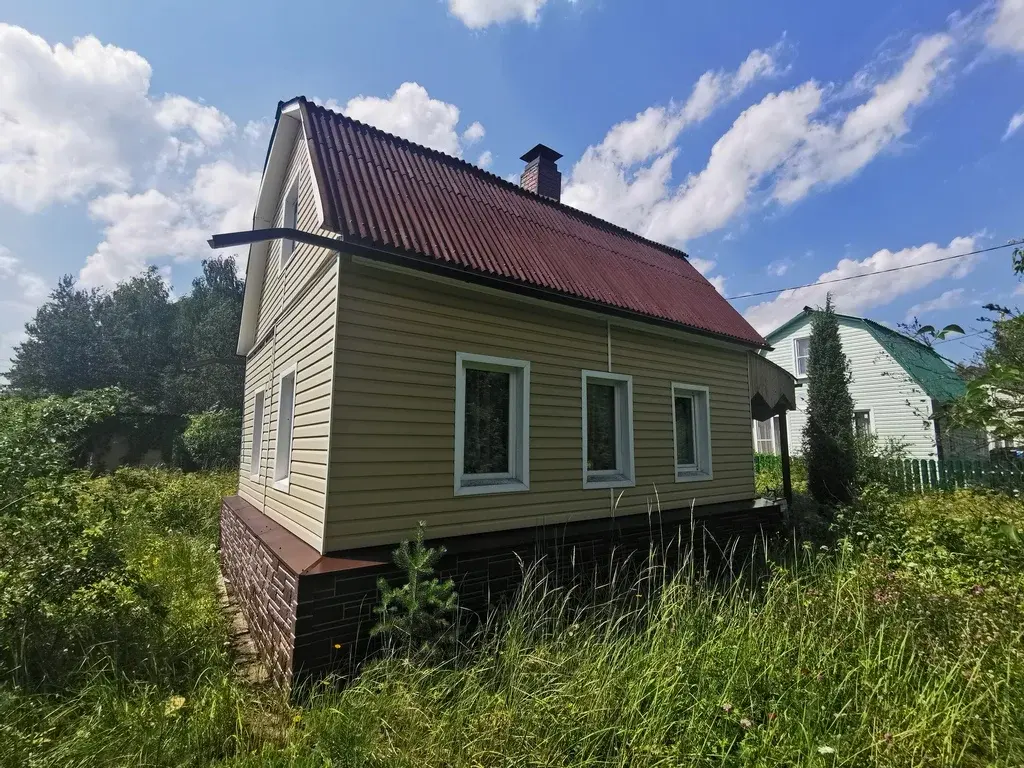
(288, 130)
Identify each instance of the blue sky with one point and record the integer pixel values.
(775, 142)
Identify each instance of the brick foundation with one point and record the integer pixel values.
(311, 614)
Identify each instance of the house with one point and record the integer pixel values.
(899, 387)
(426, 341)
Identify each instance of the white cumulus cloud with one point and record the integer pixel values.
(607, 180)
(411, 113)
(153, 225)
(877, 288)
(80, 118)
(21, 291)
(477, 14)
(1006, 32)
(780, 148)
(946, 300)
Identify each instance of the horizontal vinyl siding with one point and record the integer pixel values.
(304, 338)
(655, 362)
(900, 409)
(392, 457)
(258, 368)
(298, 314)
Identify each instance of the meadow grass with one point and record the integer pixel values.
(895, 642)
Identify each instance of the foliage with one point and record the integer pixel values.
(41, 439)
(828, 437)
(171, 356)
(995, 391)
(421, 610)
(212, 438)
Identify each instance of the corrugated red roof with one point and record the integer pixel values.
(391, 193)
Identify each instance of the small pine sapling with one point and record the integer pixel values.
(420, 613)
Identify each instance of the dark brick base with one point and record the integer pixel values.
(311, 614)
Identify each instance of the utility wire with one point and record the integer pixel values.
(872, 274)
(958, 338)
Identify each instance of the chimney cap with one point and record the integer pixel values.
(541, 151)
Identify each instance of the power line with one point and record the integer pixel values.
(872, 274)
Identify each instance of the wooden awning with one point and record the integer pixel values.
(772, 388)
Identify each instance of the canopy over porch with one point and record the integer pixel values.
(772, 393)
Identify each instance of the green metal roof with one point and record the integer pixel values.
(922, 363)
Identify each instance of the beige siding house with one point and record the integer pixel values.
(425, 341)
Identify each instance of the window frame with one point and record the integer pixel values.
(624, 475)
(871, 420)
(796, 357)
(283, 483)
(774, 429)
(703, 469)
(256, 446)
(517, 479)
(290, 206)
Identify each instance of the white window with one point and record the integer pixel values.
(492, 424)
(801, 355)
(766, 436)
(285, 422)
(289, 220)
(862, 423)
(257, 436)
(607, 430)
(691, 428)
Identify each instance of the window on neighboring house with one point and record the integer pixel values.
(692, 430)
(289, 220)
(492, 424)
(257, 436)
(285, 422)
(766, 436)
(607, 430)
(862, 423)
(801, 355)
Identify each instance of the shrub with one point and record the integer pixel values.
(828, 437)
(41, 439)
(212, 438)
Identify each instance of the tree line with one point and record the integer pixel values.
(172, 356)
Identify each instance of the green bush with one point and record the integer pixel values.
(213, 438)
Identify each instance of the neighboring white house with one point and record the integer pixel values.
(899, 387)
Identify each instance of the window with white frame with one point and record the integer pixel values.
(607, 430)
(492, 424)
(289, 220)
(691, 425)
(801, 355)
(862, 423)
(285, 424)
(256, 455)
(766, 436)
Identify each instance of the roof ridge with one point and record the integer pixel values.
(492, 177)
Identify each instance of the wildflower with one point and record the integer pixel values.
(826, 750)
(977, 590)
(887, 738)
(727, 708)
(174, 704)
(745, 724)
(771, 716)
(337, 646)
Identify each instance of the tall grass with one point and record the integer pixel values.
(812, 667)
(899, 646)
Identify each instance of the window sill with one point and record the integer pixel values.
(281, 485)
(606, 481)
(693, 476)
(254, 477)
(508, 486)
